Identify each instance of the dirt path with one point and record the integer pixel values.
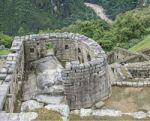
(99, 11)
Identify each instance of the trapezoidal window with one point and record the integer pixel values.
(79, 50)
(88, 57)
(66, 47)
(38, 43)
(79, 59)
(31, 50)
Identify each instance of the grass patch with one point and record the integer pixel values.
(47, 115)
(4, 52)
(128, 99)
(74, 117)
(141, 45)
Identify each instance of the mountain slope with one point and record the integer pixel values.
(35, 15)
(144, 44)
(115, 7)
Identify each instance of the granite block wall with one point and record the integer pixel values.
(85, 76)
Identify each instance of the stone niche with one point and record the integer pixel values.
(85, 75)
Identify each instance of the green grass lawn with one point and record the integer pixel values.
(4, 52)
(141, 45)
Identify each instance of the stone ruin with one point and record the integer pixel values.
(129, 69)
(65, 68)
(82, 74)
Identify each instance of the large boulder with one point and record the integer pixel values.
(45, 80)
(30, 105)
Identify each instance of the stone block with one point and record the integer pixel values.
(3, 76)
(3, 71)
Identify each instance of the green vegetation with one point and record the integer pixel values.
(115, 7)
(5, 40)
(127, 30)
(4, 52)
(19, 17)
(99, 30)
(144, 44)
(36, 16)
(46, 115)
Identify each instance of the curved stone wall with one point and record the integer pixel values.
(85, 76)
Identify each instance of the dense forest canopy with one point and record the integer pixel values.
(127, 30)
(34, 15)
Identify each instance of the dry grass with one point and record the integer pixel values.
(74, 117)
(47, 115)
(129, 99)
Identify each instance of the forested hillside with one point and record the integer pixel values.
(19, 17)
(115, 7)
(127, 30)
(26, 16)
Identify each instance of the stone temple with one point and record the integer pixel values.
(65, 65)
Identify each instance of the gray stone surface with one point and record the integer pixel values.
(62, 109)
(50, 99)
(99, 105)
(30, 105)
(85, 112)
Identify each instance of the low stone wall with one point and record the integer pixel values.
(11, 76)
(139, 70)
(132, 84)
(136, 58)
(132, 74)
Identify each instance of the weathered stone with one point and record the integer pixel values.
(99, 105)
(85, 112)
(62, 109)
(139, 115)
(107, 112)
(30, 105)
(27, 116)
(49, 99)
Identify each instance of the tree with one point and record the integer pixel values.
(5, 40)
(21, 31)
